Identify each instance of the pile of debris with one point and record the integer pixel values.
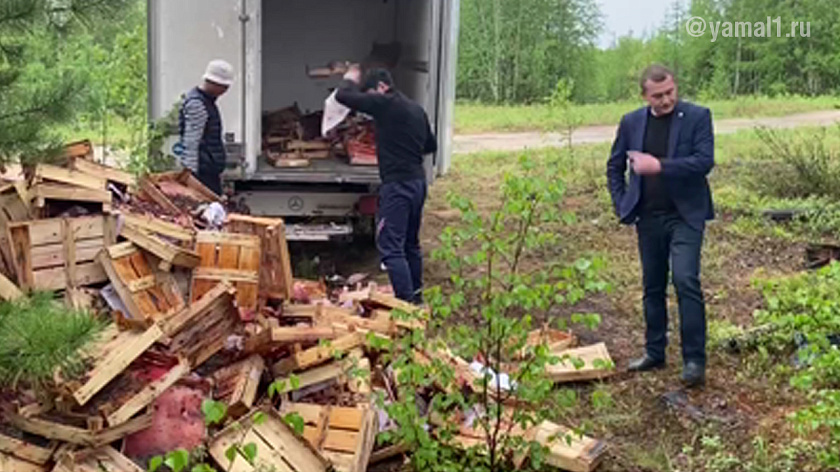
(202, 308)
(292, 138)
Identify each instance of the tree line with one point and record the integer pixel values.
(516, 51)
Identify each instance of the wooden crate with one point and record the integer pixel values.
(596, 364)
(133, 390)
(148, 295)
(58, 253)
(236, 385)
(344, 436)
(277, 446)
(108, 356)
(200, 330)
(276, 279)
(229, 257)
(103, 459)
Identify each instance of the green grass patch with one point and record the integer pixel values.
(39, 335)
(481, 118)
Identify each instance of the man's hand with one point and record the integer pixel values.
(644, 164)
(354, 73)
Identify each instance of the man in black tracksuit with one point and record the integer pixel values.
(403, 137)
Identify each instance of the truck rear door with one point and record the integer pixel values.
(184, 36)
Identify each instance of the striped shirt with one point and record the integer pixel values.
(195, 120)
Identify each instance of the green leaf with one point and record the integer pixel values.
(214, 412)
(202, 468)
(155, 463)
(250, 452)
(295, 421)
(177, 460)
(260, 418)
(230, 453)
(295, 381)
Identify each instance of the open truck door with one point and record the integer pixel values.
(273, 44)
(183, 36)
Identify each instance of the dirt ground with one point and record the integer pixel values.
(468, 143)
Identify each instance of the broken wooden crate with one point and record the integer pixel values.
(136, 387)
(236, 385)
(60, 253)
(276, 268)
(148, 295)
(277, 446)
(108, 356)
(229, 257)
(168, 253)
(344, 436)
(200, 330)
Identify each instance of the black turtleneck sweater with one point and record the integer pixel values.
(655, 198)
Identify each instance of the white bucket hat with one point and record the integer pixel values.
(219, 72)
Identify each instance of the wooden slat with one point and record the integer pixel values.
(109, 173)
(26, 450)
(66, 193)
(317, 354)
(133, 345)
(347, 418)
(154, 194)
(51, 430)
(148, 394)
(52, 255)
(231, 275)
(141, 284)
(70, 176)
(160, 248)
(10, 463)
(56, 279)
(244, 240)
(49, 231)
(70, 252)
(161, 227)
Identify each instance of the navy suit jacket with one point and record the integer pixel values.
(691, 156)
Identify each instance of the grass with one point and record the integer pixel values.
(480, 118)
(39, 335)
(748, 403)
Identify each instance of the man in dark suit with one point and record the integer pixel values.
(668, 147)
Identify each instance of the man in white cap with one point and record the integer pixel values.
(200, 126)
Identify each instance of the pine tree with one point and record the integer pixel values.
(38, 90)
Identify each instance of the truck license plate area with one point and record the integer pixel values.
(314, 233)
